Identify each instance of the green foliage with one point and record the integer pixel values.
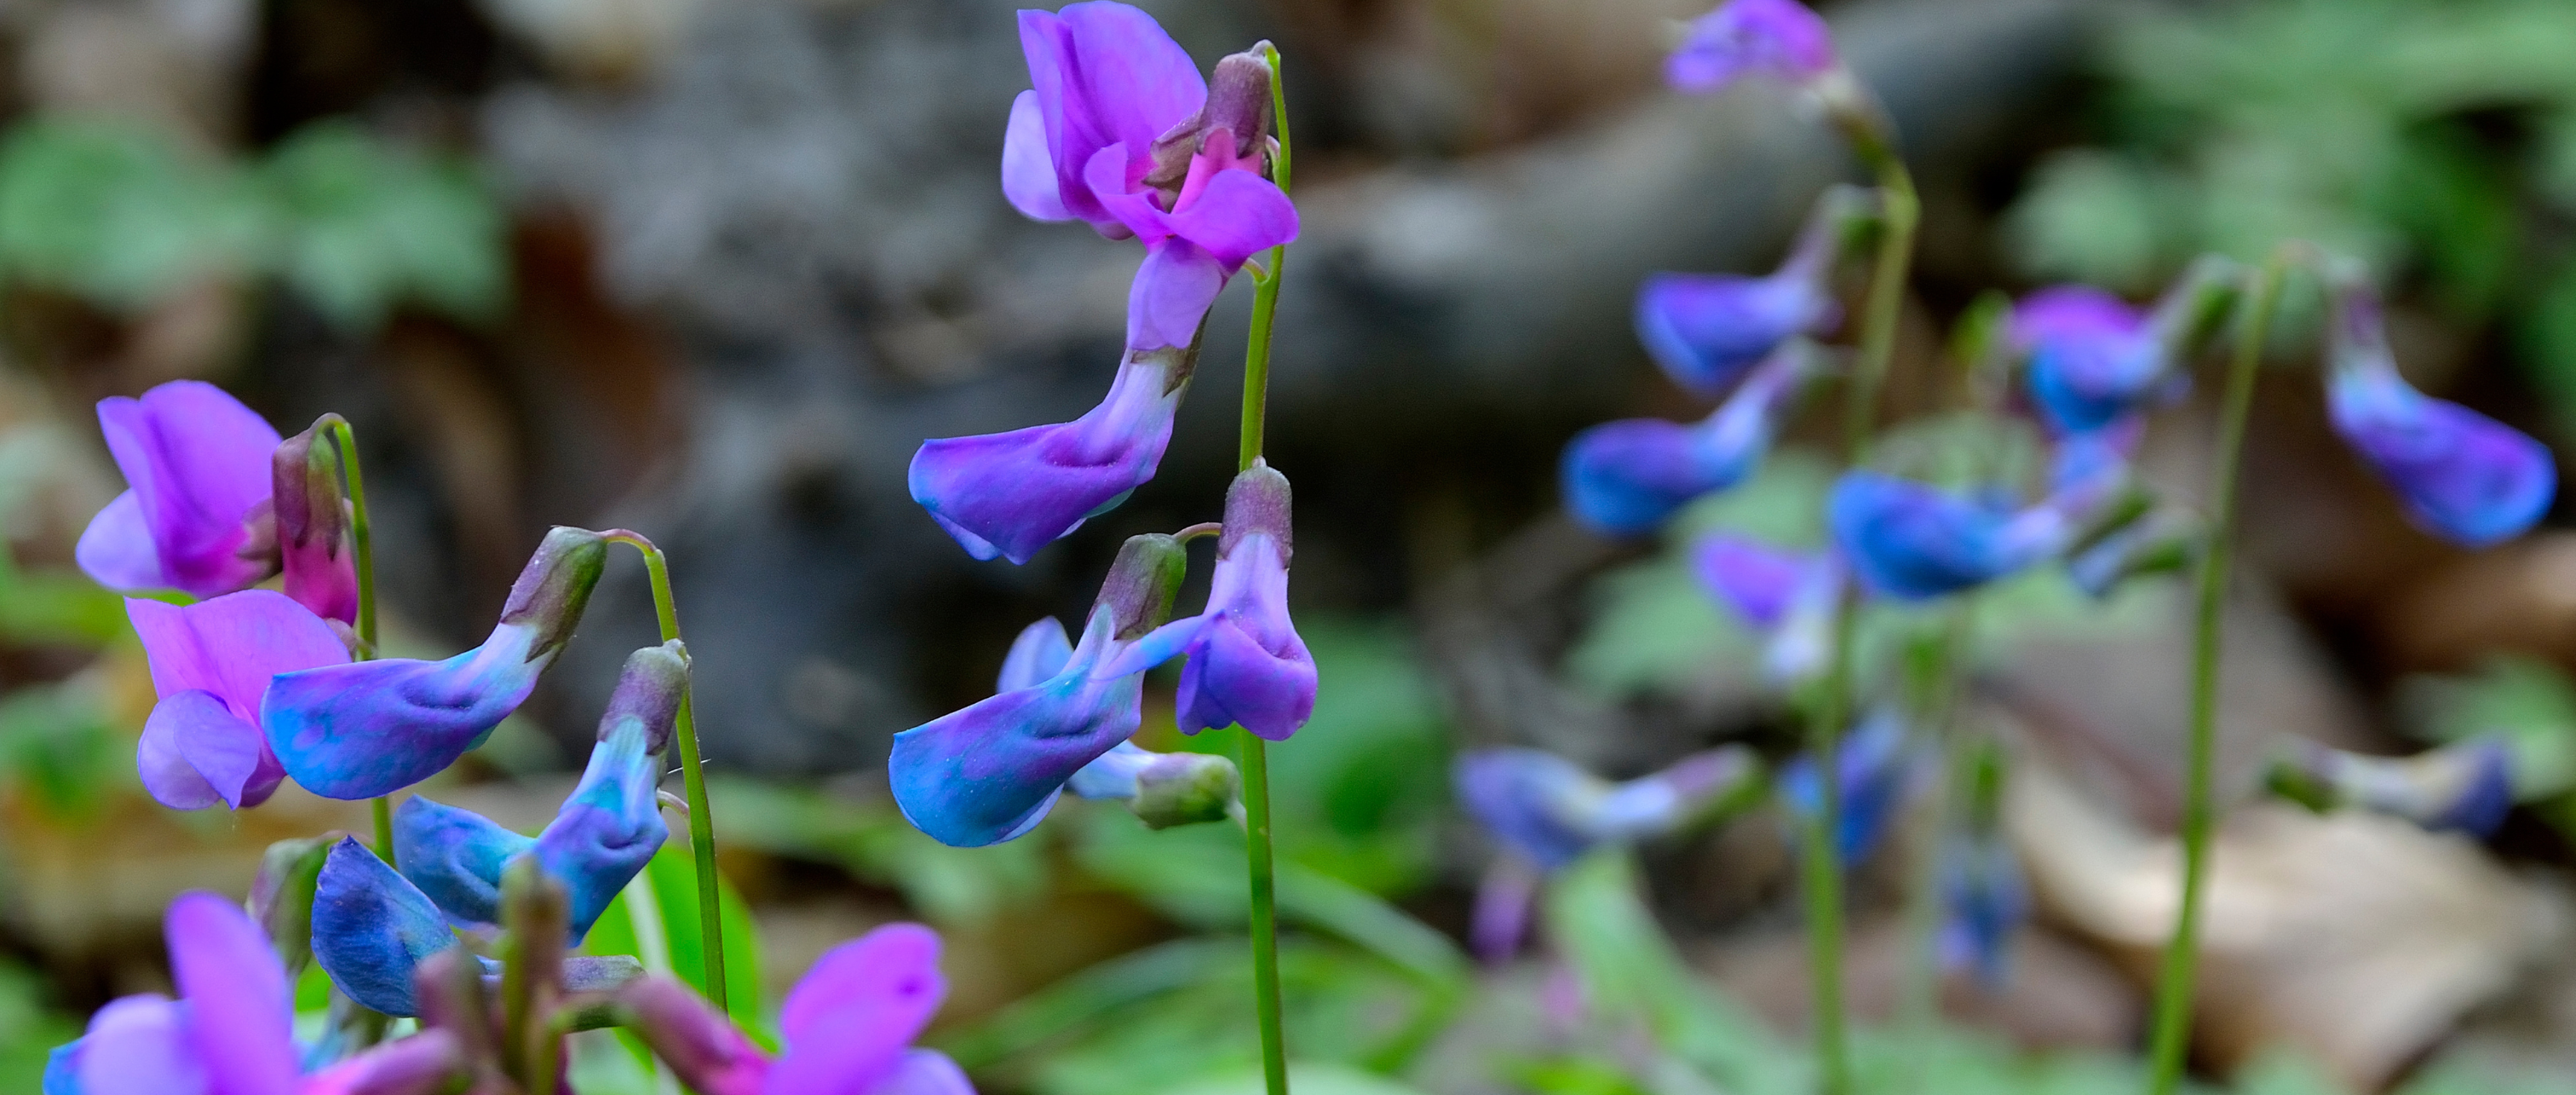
(29, 1030)
(123, 216)
(872, 841)
(656, 919)
(2530, 704)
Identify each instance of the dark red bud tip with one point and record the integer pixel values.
(554, 589)
(1142, 582)
(682, 1029)
(1258, 502)
(649, 691)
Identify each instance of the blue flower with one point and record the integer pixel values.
(1874, 777)
(1628, 477)
(1983, 903)
(1705, 330)
(1551, 812)
(1786, 597)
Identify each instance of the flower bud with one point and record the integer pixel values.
(1141, 583)
(1238, 102)
(281, 895)
(1257, 503)
(702, 1048)
(1185, 788)
(649, 691)
(552, 591)
(310, 518)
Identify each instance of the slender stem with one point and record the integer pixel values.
(362, 547)
(2172, 1036)
(1920, 1003)
(693, 778)
(1255, 761)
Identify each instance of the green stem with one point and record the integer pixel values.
(2172, 1037)
(1255, 760)
(1920, 1003)
(363, 556)
(693, 777)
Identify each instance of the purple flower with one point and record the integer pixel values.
(372, 928)
(196, 465)
(2092, 357)
(2465, 787)
(2462, 475)
(1550, 812)
(1626, 478)
(1786, 597)
(1781, 39)
(848, 1026)
(1164, 789)
(1246, 664)
(370, 728)
(311, 525)
(1913, 541)
(1705, 330)
(211, 665)
(603, 835)
(1983, 903)
(1874, 776)
(989, 773)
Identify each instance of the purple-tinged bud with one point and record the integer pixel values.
(1780, 39)
(704, 1049)
(311, 521)
(552, 591)
(649, 691)
(2463, 476)
(1258, 502)
(432, 1062)
(448, 988)
(1141, 583)
(1551, 812)
(1238, 102)
(281, 895)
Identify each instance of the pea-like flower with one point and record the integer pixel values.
(371, 728)
(211, 664)
(196, 466)
(1786, 597)
(1162, 789)
(2465, 786)
(605, 833)
(1706, 330)
(1246, 664)
(1626, 478)
(1983, 903)
(1121, 132)
(1874, 776)
(848, 1026)
(232, 1031)
(2093, 359)
(2462, 476)
(989, 773)
(1914, 541)
(1780, 39)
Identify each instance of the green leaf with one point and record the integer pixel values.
(363, 226)
(656, 920)
(2528, 703)
(116, 213)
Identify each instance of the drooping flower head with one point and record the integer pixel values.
(1626, 478)
(2094, 359)
(1786, 597)
(370, 728)
(311, 523)
(1246, 664)
(196, 466)
(1913, 541)
(1983, 903)
(1875, 775)
(1705, 330)
(1550, 811)
(988, 773)
(1780, 39)
(848, 1026)
(211, 665)
(2462, 476)
(2465, 786)
(1162, 789)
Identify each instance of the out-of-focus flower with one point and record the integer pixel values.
(1913, 541)
(1626, 478)
(371, 728)
(211, 664)
(1786, 597)
(1780, 39)
(311, 523)
(1875, 774)
(196, 471)
(1705, 330)
(232, 1031)
(2466, 786)
(988, 773)
(605, 833)
(2094, 359)
(848, 1026)
(1246, 664)
(2463, 476)
(1983, 904)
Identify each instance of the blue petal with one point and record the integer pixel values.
(1871, 789)
(1912, 541)
(1515, 794)
(371, 728)
(456, 857)
(609, 829)
(1038, 654)
(2463, 476)
(372, 928)
(979, 776)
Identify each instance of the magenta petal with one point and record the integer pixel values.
(924, 1072)
(117, 551)
(1105, 74)
(1171, 294)
(197, 461)
(172, 781)
(222, 748)
(241, 1016)
(232, 645)
(893, 970)
(1239, 215)
(1028, 176)
(1756, 581)
(138, 1046)
(1233, 680)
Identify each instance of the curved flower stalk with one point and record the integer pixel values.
(371, 728)
(2463, 787)
(1626, 478)
(2463, 476)
(1246, 664)
(232, 1031)
(605, 833)
(1779, 39)
(1875, 774)
(1547, 812)
(1786, 597)
(1705, 330)
(2093, 359)
(1984, 902)
(989, 773)
(848, 1026)
(196, 466)
(1118, 131)
(1913, 541)
(211, 665)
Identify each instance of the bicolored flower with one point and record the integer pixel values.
(1875, 775)
(211, 665)
(1914, 541)
(1780, 39)
(196, 466)
(232, 1031)
(2466, 786)
(1163, 789)
(1550, 812)
(603, 835)
(1705, 330)
(2462, 476)
(1983, 902)
(848, 1026)
(371, 728)
(2093, 359)
(1246, 664)
(1626, 478)
(311, 524)
(989, 773)
(1785, 597)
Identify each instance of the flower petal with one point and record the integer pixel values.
(1028, 173)
(139, 1045)
(241, 1014)
(455, 857)
(1234, 680)
(892, 971)
(1706, 330)
(1756, 581)
(608, 829)
(372, 928)
(197, 460)
(117, 551)
(925, 1072)
(232, 645)
(1014, 493)
(1038, 654)
(1239, 215)
(1516, 794)
(1913, 541)
(2463, 476)
(1172, 292)
(220, 746)
(1626, 478)
(1105, 74)
(166, 772)
(371, 728)
(1777, 38)
(977, 776)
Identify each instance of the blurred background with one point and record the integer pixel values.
(712, 269)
